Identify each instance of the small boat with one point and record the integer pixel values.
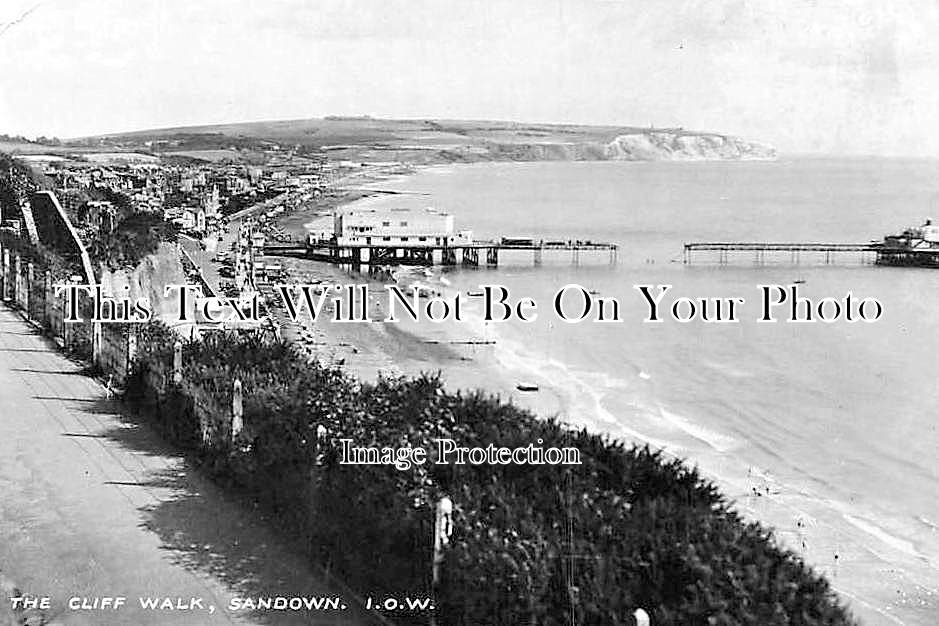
(475, 294)
(526, 387)
(800, 281)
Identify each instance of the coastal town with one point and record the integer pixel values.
(244, 224)
(468, 314)
(116, 195)
(239, 229)
(190, 193)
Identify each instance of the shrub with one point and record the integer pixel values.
(532, 544)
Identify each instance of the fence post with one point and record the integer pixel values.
(4, 293)
(47, 301)
(3, 272)
(96, 339)
(16, 280)
(130, 352)
(443, 528)
(237, 410)
(29, 286)
(65, 330)
(178, 362)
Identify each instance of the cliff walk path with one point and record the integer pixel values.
(94, 505)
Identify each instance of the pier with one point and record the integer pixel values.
(471, 254)
(794, 249)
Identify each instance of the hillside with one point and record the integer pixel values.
(434, 141)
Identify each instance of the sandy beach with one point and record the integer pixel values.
(370, 350)
(380, 348)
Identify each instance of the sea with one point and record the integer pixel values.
(825, 430)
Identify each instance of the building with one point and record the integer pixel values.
(320, 235)
(211, 202)
(98, 215)
(397, 227)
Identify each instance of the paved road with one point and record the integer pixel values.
(203, 259)
(93, 504)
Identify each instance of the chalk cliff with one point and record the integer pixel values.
(639, 145)
(677, 146)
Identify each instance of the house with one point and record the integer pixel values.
(187, 219)
(397, 227)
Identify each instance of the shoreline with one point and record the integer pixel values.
(371, 350)
(844, 546)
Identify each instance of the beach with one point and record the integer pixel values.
(790, 421)
(370, 350)
(381, 348)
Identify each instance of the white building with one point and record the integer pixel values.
(397, 227)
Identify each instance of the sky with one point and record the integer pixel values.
(808, 76)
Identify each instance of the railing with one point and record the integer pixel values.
(29, 288)
(111, 348)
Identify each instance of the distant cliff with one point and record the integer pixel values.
(677, 146)
(631, 146)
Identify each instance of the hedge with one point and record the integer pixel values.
(535, 544)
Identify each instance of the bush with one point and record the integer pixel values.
(532, 544)
(133, 238)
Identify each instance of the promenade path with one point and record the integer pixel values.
(93, 504)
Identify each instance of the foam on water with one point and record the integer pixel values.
(873, 530)
(717, 441)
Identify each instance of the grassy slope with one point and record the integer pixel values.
(434, 141)
(369, 139)
(337, 131)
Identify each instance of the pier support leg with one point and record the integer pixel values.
(492, 256)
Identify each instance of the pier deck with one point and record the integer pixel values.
(463, 253)
(760, 248)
